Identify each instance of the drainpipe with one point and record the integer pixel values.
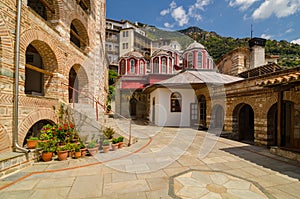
(16, 146)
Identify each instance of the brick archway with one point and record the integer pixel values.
(31, 119)
(45, 43)
(5, 142)
(243, 122)
(79, 81)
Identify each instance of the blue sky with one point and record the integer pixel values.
(271, 19)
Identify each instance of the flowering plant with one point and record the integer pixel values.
(47, 132)
(66, 132)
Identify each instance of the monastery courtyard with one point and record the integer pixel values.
(164, 163)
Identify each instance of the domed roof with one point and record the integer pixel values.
(133, 54)
(195, 45)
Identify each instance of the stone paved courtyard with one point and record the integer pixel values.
(164, 163)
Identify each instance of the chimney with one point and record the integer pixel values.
(257, 52)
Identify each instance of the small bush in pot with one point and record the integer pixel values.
(105, 145)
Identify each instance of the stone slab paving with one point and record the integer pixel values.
(164, 163)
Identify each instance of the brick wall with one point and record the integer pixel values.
(51, 39)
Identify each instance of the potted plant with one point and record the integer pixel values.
(92, 147)
(69, 147)
(77, 152)
(115, 144)
(32, 142)
(109, 132)
(83, 149)
(62, 153)
(47, 149)
(47, 132)
(105, 145)
(120, 141)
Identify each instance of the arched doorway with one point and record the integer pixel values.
(287, 134)
(132, 104)
(202, 112)
(217, 118)
(34, 131)
(78, 85)
(73, 86)
(243, 122)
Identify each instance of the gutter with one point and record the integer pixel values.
(16, 146)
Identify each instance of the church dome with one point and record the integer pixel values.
(133, 54)
(195, 45)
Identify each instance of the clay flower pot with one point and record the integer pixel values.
(77, 154)
(115, 146)
(121, 145)
(105, 149)
(31, 144)
(47, 156)
(62, 155)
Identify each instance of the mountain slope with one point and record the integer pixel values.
(217, 45)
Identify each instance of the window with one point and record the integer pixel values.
(156, 65)
(175, 102)
(141, 67)
(123, 69)
(132, 66)
(125, 45)
(190, 60)
(163, 65)
(125, 34)
(199, 63)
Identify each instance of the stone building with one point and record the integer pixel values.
(57, 52)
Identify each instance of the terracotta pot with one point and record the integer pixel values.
(105, 149)
(31, 144)
(77, 154)
(47, 156)
(62, 155)
(93, 151)
(83, 152)
(115, 146)
(121, 145)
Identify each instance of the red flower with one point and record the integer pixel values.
(66, 126)
(60, 128)
(72, 125)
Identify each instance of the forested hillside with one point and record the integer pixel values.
(217, 45)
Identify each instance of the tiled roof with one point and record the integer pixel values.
(189, 77)
(280, 80)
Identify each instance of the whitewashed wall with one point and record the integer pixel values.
(163, 114)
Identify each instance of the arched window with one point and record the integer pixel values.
(199, 63)
(123, 68)
(163, 65)
(78, 34)
(38, 7)
(141, 67)
(176, 102)
(156, 65)
(190, 60)
(132, 66)
(34, 80)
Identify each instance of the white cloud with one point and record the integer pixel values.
(280, 8)
(265, 36)
(296, 41)
(172, 6)
(289, 30)
(242, 4)
(168, 25)
(180, 16)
